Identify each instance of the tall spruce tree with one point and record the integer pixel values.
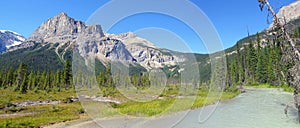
(251, 61)
(234, 72)
(67, 74)
(10, 77)
(228, 75)
(21, 78)
(270, 66)
(261, 69)
(31, 80)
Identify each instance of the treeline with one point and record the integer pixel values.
(258, 62)
(107, 83)
(22, 80)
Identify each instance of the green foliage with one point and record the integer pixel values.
(234, 71)
(55, 109)
(257, 63)
(14, 109)
(67, 100)
(22, 78)
(297, 33)
(136, 69)
(251, 61)
(44, 115)
(67, 74)
(37, 58)
(261, 68)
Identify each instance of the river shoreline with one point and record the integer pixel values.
(87, 120)
(239, 103)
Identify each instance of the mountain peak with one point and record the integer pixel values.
(60, 28)
(62, 14)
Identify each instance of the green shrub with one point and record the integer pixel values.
(55, 109)
(68, 100)
(81, 111)
(14, 109)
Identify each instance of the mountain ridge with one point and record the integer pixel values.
(62, 34)
(9, 39)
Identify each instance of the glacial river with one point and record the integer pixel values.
(258, 108)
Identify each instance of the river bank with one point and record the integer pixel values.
(35, 109)
(258, 107)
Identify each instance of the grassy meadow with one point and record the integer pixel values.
(35, 116)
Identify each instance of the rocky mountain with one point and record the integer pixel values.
(91, 40)
(60, 28)
(146, 53)
(289, 12)
(9, 39)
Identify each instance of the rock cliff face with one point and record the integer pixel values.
(146, 53)
(62, 28)
(9, 39)
(289, 13)
(91, 40)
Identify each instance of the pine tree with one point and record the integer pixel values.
(50, 81)
(9, 80)
(45, 78)
(21, 76)
(67, 74)
(261, 67)
(241, 64)
(270, 67)
(258, 43)
(108, 77)
(58, 80)
(38, 80)
(246, 64)
(242, 68)
(43, 81)
(101, 79)
(261, 70)
(251, 61)
(31, 80)
(277, 62)
(228, 75)
(234, 71)
(24, 85)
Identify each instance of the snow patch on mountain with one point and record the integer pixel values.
(9, 39)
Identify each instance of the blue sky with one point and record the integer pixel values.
(230, 18)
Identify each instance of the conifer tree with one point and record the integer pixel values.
(228, 75)
(24, 85)
(270, 66)
(251, 61)
(43, 80)
(261, 71)
(21, 76)
(31, 80)
(67, 74)
(58, 80)
(233, 71)
(10, 77)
